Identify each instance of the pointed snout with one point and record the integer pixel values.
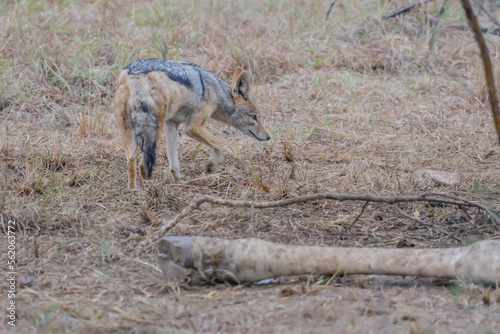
(261, 136)
(265, 135)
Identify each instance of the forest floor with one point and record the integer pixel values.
(352, 106)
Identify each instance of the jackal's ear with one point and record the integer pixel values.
(241, 84)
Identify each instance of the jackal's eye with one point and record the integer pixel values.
(254, 117)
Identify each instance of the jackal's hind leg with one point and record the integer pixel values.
(172, 151)
(129, 145)
(142, 169)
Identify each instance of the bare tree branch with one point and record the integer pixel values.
(427, 197)
(488, 70)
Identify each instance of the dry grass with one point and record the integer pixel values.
(350, 107)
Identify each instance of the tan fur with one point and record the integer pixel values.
(236, 75)
(168, 99)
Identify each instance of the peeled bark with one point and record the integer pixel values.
(252, 260)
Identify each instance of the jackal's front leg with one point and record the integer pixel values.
(172, 151)
(201, 134)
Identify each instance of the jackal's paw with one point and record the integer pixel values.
(211, 167)
(176, 175)
(131, 185)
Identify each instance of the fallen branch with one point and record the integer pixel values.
(488, 70)
(404, 9)
(252, 260)
(427, 197)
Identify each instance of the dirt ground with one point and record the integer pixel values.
(352, 106)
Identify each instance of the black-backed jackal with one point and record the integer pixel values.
(155, 95)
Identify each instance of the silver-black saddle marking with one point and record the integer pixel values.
(190, 75)
(174, 69)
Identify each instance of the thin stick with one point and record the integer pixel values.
(404, 9)
(355, 220)
(492, 19)
(494, 218)
(495, 31)
(329, 10)
(434, 32)
(487, 64)
(472, 221)
(420, 221)
(426, 197)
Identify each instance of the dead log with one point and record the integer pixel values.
(252, 260)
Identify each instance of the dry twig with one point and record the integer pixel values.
(421, 222)
(426, 197)
(354, 222)
(488, 70)
(495, 31)
(434, 32)
(492, 19)
(494, 217)
(329, 10)
(404, 9)
(472, 221)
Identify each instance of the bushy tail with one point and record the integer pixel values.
(145, 125)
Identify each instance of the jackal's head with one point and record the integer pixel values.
(246, 116)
